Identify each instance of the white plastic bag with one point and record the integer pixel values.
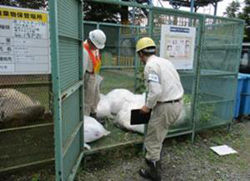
(123, 117)
(17, 105)
(103, 107)
(93, 130)
(117, 98)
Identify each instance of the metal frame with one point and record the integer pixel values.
(62, 148)
(60, 96)
(200, 46)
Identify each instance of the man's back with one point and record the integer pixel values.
(168, 77)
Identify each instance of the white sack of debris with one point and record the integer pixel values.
(104, 108)
(15, 105)
(121, 101)
(123, 117)
(117, 98)
(93, 130)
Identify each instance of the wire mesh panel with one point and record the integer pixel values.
(222, 42)
(219, 64)
(26, 127)
(67, 60)
(188, 77)
(216, 103)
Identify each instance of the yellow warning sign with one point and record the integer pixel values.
(16, 14)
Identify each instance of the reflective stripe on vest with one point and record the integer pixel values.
(96, 60)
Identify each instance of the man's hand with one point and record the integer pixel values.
(145, 109)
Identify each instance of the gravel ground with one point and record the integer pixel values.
(181, 160)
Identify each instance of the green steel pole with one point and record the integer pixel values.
(192, 6)
(150, 22)
(135, 61)
(118, 44)
(215, 8)
(195, 101)
(57, 115)
(81, 59)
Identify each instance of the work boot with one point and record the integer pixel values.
(93, 115)
(153, 172)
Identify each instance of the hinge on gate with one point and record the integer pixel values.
(64, 96)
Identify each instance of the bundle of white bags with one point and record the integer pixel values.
(120, 102)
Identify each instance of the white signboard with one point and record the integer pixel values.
(177, 45)
(24, 41)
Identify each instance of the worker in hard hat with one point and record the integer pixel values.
(92, 62)
(164, 100)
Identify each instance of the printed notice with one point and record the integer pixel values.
(177, 45)
(24, 41)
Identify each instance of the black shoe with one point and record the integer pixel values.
(153, 172)
(144, 173)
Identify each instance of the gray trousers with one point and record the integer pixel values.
(163, 115)
(91, 93)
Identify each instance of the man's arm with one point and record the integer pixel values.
(154, 89)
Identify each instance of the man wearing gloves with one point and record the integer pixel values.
(164, 98)
(92, 65)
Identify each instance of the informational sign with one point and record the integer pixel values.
(177, 45)
(24, 41)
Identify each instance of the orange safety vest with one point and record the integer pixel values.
(96, 60)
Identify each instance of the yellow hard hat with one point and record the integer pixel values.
(144, 43)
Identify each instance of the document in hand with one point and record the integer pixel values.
(138, 117)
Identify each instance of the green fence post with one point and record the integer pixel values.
(53, 15)
(81, 59)
(135, 60)
(118, 44)
(195, 101)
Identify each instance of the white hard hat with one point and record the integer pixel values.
(98, 38)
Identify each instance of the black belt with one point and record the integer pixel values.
(172, 101)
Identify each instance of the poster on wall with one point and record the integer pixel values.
(177, 45)
(24, 41)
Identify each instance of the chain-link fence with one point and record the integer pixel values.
(26, 127)
(221, 47)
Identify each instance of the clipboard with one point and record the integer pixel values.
(137, 117)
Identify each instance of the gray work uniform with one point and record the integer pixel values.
(91, 86)
(163, 84)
